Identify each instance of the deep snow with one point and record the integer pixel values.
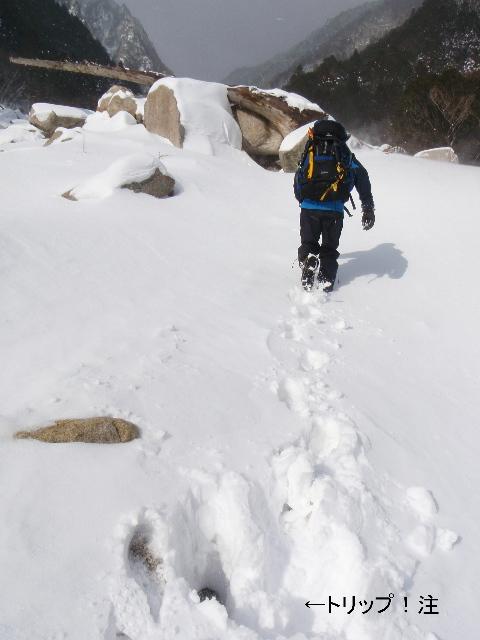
(293, 446)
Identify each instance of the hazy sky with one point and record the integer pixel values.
(209, 38)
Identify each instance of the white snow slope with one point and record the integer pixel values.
(294, 447)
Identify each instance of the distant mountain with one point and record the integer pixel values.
(418, 86)
(122, 35)
(47, 32)
(351, 30)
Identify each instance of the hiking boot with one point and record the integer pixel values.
(327, 284)
(309, 268)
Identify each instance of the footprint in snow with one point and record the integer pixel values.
(314, 360)
(293, 393)
(422, 502)
(426, 537)
(145, 566)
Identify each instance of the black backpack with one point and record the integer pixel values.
(325, 172)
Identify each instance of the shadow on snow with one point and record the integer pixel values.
(383, 260)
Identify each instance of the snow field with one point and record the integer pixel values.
(294, 446)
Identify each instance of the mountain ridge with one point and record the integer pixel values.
(352, 29)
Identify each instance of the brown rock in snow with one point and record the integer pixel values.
(117, 99)
(103, 430)
(162, 115)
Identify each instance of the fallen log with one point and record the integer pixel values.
(145, 78)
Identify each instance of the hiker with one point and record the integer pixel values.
(325, 177)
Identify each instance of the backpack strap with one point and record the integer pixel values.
(305, 152)
(311, 160)
(341, 172)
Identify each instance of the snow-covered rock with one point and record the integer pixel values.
(388, 148)
(284, 111)
(192, 114)
(63, 135)
(101, 122)
(199, 115)
(140, 172)
(47, 117)
(19, 132)
(119, 98)
(441, 154)
(295, 101)
(104, 430)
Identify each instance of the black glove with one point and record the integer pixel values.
(368, 218)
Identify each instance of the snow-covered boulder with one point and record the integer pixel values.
(48, 117)
(388, 148)
(192, 114)
(117, 99)
(63, 135)
(104, 430)
(292, 148)
(19, 132)
(266, 117)
(442, 154)
(101, 122)
(284, 111)
(140, 172)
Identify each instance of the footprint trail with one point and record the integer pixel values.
(327, 525)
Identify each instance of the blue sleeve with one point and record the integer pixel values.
(362, 184)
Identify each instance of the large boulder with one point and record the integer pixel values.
(162, 115)
(442, 154)
(117, 99)
(284, 111)
(103, 430)
(48, 117)
(259, 136)
(268, 118)
(192, 114)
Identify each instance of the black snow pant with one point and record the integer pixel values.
(327, 225)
